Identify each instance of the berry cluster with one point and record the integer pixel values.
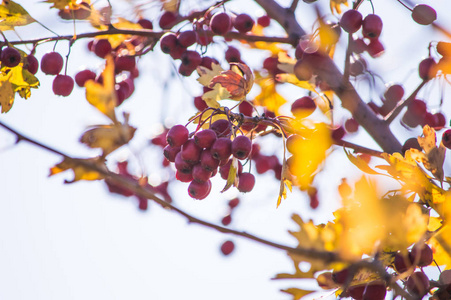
(197, 158)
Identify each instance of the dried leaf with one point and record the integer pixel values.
(335, 5)
(81, 171)
(108, 137)
(297, 293)
(434, 156)
(238, 81)
(103, 96)
(6, 95)
(117, 39)
(361, 163)
(232, 178)
(269, 97)
(170, 5)
(12, 14)
(60, 4)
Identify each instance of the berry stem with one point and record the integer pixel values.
(403, 4)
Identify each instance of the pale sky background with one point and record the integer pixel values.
(77, 241)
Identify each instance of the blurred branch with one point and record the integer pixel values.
(330, 73)
(294, 5)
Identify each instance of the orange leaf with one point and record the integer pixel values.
(238, 81)
(80, 168)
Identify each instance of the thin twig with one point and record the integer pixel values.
(294, 5)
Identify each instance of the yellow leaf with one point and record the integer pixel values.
(335, 5)
(237, 81)
(434, 223)
(206, 118)
(206, 74)
(434, 156)
(103, 96)
(360, 163)
(117, 39)
(170, 5)
(6, 94)
(108, 137)
(81, 171)
(297, 293)
(441, 245)
(232, 178)
(12, 14)
(291, 78)
(60, 4)
(268, 96)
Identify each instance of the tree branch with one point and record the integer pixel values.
(330, 73)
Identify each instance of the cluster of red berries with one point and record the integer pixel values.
(122, 169)
(198, 158)
(10, 57)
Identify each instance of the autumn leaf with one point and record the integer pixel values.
(60, 4)
(237, 81)
(12, 14)
(170, 5)
(6, 94)
(232, 178)
(297, 293)
(117, 39)
(269, 97)
(335, 5)
(103, 96)
(80, 168)
(108, 137)
(207, 117)
(434, 156)
(360, 163)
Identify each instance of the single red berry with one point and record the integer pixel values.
(341, 276)
(207, 61)
(102, 47)
(243, 23)
(375, 48)
(351, 21)
(221, 148)
(191, 152)
(372, 26)
(402, 263)
(394, 93)
(191, 59)
(167, 20)
(241, 147)
(207, 161)
(186, 70)
(440, 121)
(424, 14)
(246, 182)
(418, 108)
(270, 64)
(226, 220)
(234, 203)
(418, 283)
(264, 21)
(177, 51)
(303, 107)
(199, 190)
(221, 127)
(187, 38)
(411, 143)
(357, 66)
(205, 138)
(31, 64)
(374, 291)
(124, 63)
(199, 103)
(246, 108)
(145, 24)
(170, 152)
(351, 125)
(338, 133)
(227, 247)
(83, 12)
(184, 177)
(52, 63)
(181, 165)
(427, 68)
(63, 85)
(83, 76)
(177, 135)
(358, 46)
(232, 54)
(168, 42)
(200, 174)
(220, 23)
(356, 291)
(422, 255)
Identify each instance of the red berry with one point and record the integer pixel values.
(145, 24)
(356, 291)
(191, 59)
(411, 143)
(207, 161)
(234, 203)
(208, 61)
(394, 93)
(264, 21)
(440, 121)
(220, 23)
(418, 283)
(102, 47)
(83, 76)
(199, 103)
(351, 125)
(168, 42)
(351, 21)
(221, 148)
(246, 108)
(374, 291)
(241, 147)
(372, 26)
(187, 38)
(82, 13)
(63, 85)
(243, 23)
(418, 108)
(402, 263)
(358, 46)
(31, 64)
(303, 107)
(170, 152)
(181, 165)
(341, 276)
(167, 20)
(422, 255)
(186, 70)
(232, 54)
(270, 64)
(177, 135)
(221, 127)
(375, 48)
(52, 63)
(226, 220)
(424, 14)
(246, 182)
(183, 177)
(227, 247)
(199, 190)
(177, 51)
(338, 133)
(205, 138)
(427, 68)
(200, 174)
(191, 152)
(124, 63)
